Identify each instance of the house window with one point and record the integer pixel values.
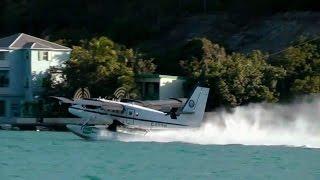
(2, 108)
(2, 56)
(4, 78)
(45, 56)
(15, 109)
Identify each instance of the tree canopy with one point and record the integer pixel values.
(102, 66)
(302, 64)
(234, 79)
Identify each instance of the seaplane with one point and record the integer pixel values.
(132, 117)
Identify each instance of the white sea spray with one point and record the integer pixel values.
(295, 124)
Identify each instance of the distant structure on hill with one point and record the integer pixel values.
(156, 87)
(24, 60)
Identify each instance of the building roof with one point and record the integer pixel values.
(25, 41)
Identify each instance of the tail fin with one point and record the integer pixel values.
(193, 110)
(197, 99)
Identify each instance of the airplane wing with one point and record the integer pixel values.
(105, 105)
(63, 100)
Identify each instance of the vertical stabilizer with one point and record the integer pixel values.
(199, 96)
(193, 110)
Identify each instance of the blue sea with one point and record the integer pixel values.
(62, 155)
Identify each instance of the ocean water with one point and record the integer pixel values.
(259, 141)
(60, 155)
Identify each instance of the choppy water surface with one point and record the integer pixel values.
(53, 155)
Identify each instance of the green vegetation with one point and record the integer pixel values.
(98, 62)
(234, 78)
(103, 65)
(237, 79)
(302, 65)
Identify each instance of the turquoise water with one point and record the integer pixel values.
(59, 155)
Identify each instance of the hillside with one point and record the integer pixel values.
(274, 33)
(269, 33)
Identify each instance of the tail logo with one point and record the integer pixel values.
(191, 103)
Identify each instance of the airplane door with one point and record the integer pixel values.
(130, 114)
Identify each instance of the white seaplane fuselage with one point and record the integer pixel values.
(131, 115)
(136, 117)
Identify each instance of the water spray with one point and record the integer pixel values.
(296, 124)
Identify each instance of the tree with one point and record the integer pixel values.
(100, 65)
(144, 66)
(139, 62)
(234, 79)
(302, 64)
(103, 66)
(308, 85)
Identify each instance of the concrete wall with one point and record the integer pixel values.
(56, 58)
(55, 121)
(40, 66)
(49, 120)
(171, 87)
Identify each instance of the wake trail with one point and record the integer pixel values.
(296, 124)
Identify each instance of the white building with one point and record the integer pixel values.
(156, 87)
(24, 59)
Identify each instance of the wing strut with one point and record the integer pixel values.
(86, 122)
